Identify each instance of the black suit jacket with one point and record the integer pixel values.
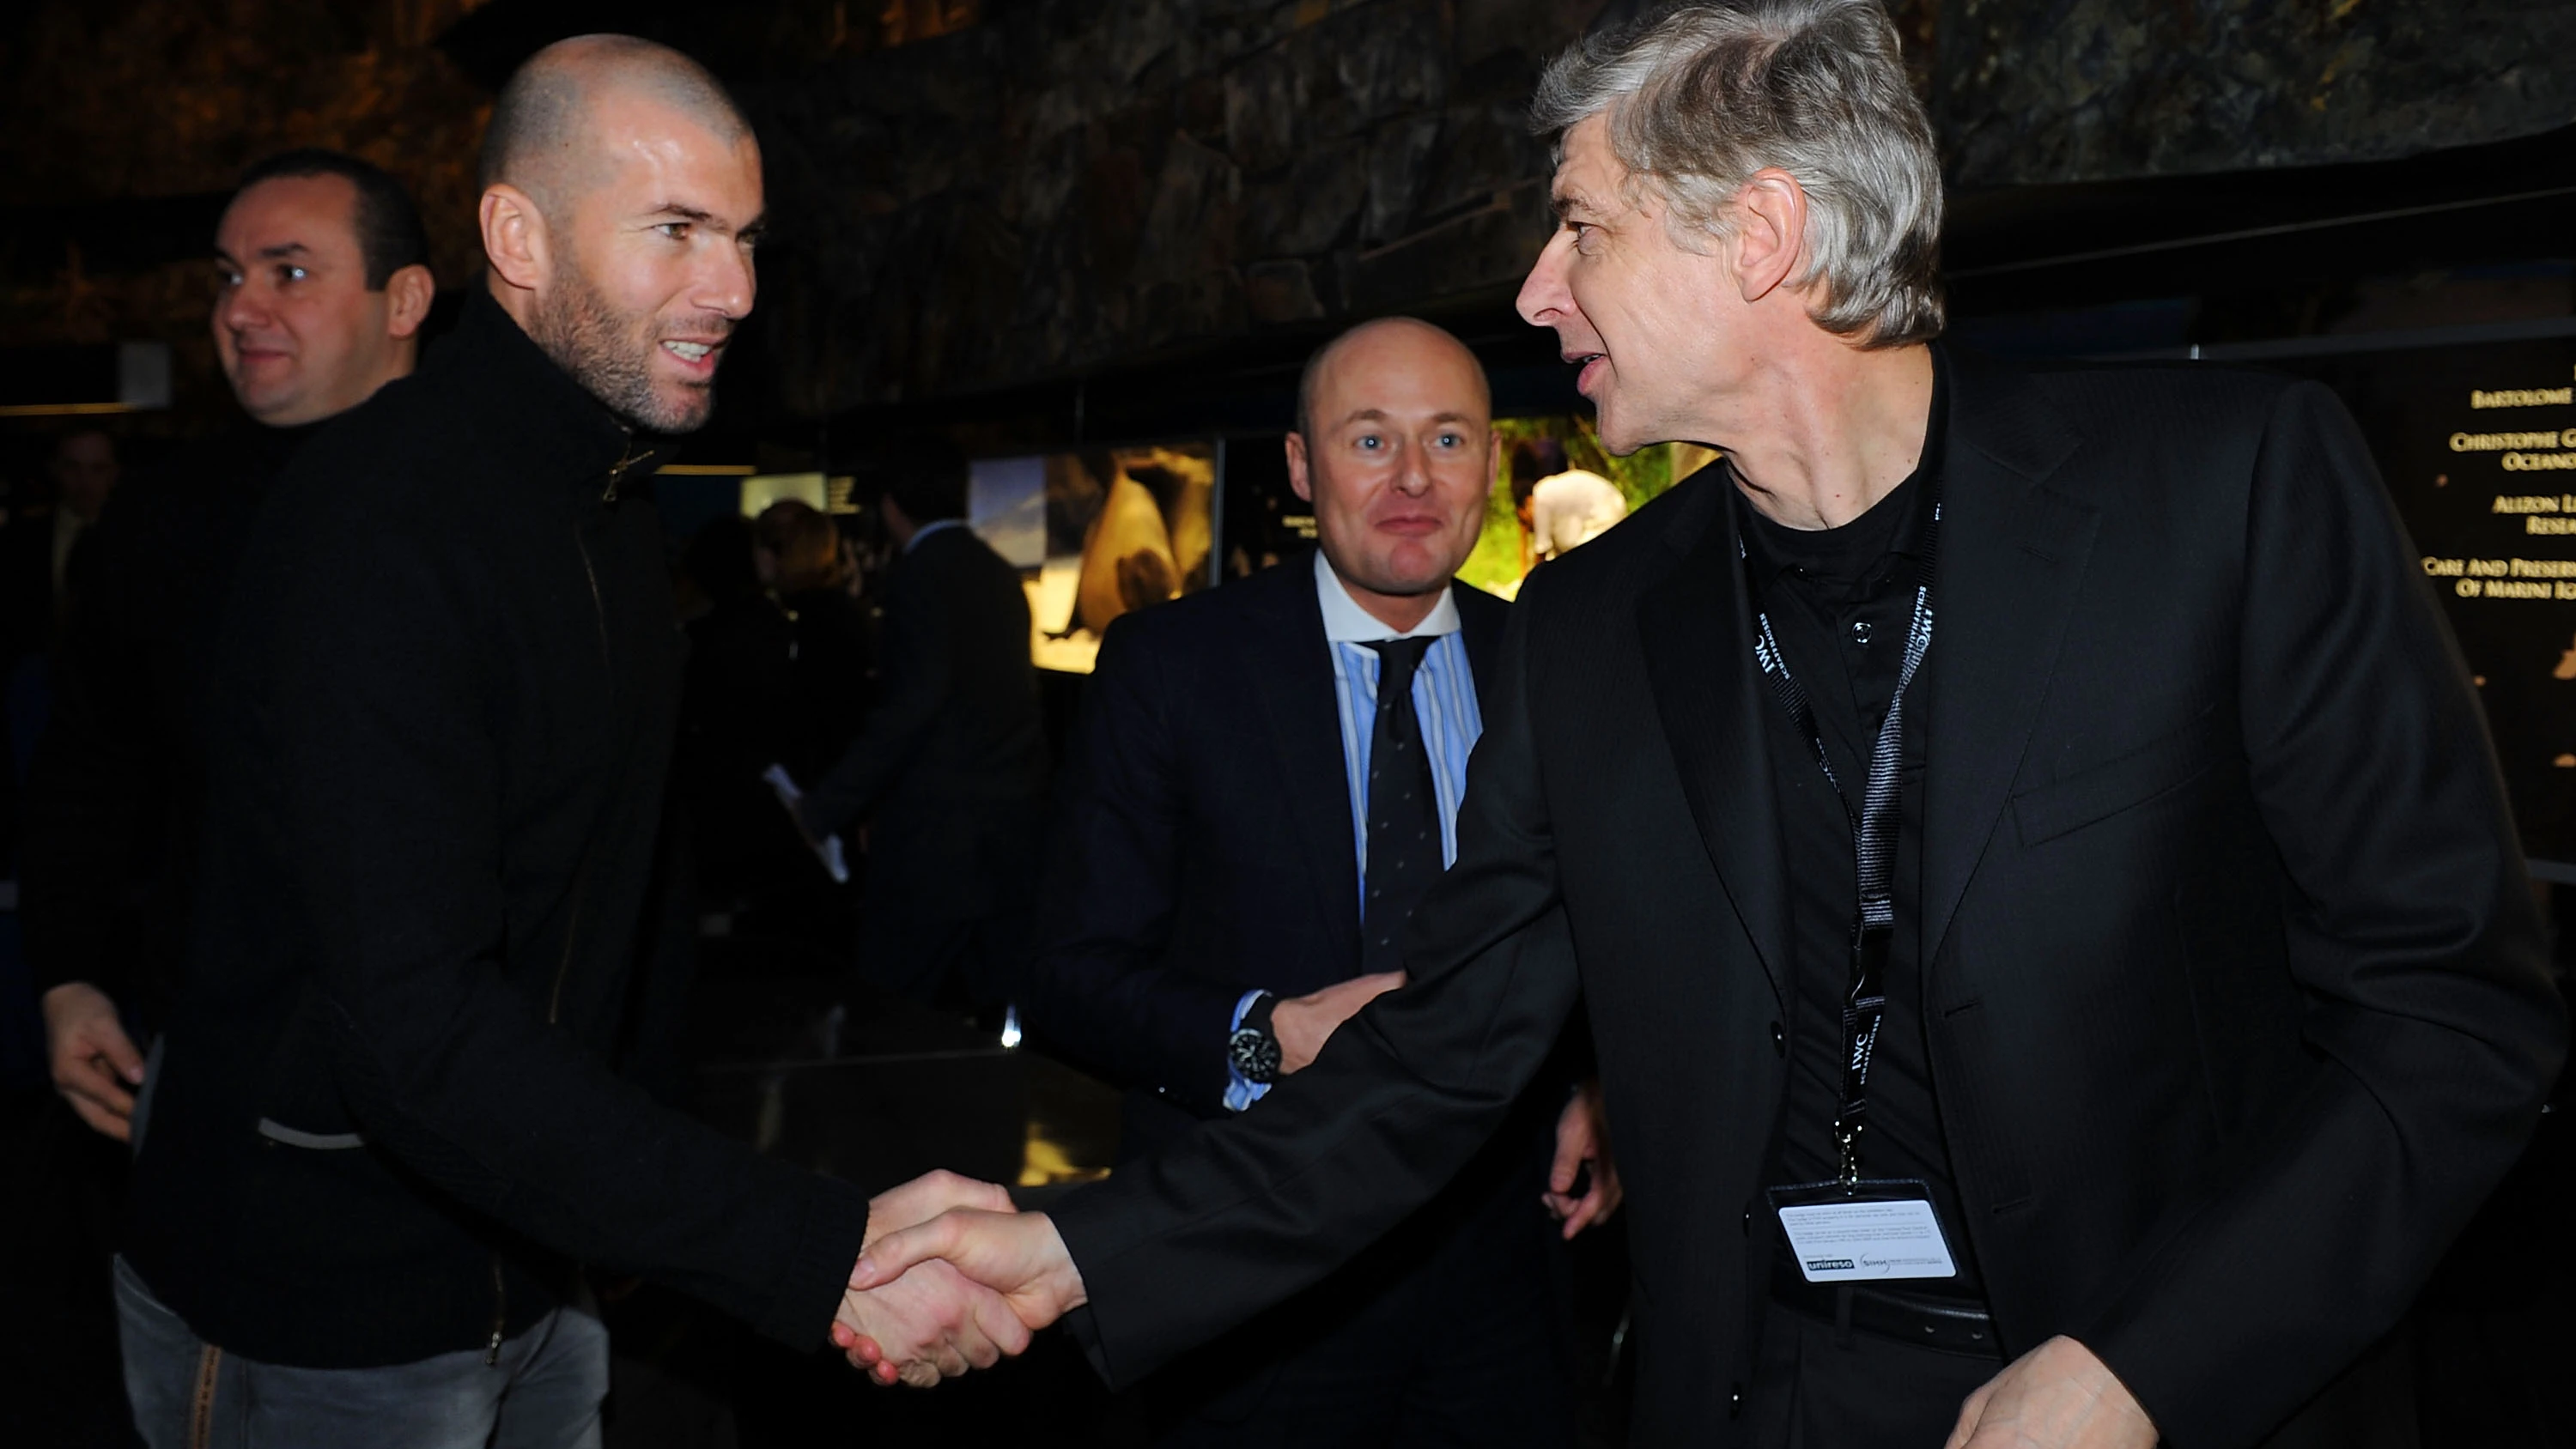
(2236, 1000)
(1203, 838)
(955, 743)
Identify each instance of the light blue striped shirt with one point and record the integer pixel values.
(1444, 700)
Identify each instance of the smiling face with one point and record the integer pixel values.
(1656, 329)
(1396, 455)
(646, 265)
(300, 335)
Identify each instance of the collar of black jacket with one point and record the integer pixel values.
(556, 424)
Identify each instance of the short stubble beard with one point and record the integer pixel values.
(611, 356)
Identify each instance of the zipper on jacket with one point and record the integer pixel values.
(581, 869)
(500, 1315)
(626, 458)
(572, 936)
(598, 606)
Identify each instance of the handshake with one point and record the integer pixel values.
(951, 1277)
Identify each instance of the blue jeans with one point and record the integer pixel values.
(544, 1392)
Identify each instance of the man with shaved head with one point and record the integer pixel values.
(405, 1094)
(1264, 780)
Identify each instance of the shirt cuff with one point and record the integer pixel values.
(1239, 1093)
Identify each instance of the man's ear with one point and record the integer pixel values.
(408, 293)
(1770, 231)
(515, 238)
(1297, 480)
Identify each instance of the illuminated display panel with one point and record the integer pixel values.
(1095, 534)
(2478, 448)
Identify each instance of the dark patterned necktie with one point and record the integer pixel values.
(1403, 812)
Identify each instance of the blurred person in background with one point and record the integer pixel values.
(322, 284)
(949, 770)
(808, 568)
(1561, 507)
(36, 551)
(737, 714)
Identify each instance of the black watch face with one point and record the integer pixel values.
(1255, 1055)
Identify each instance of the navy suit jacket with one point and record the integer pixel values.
(1203, 838)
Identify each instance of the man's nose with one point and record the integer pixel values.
(240, 308)
(1412, 475)
(1544, 296)
(726, 285)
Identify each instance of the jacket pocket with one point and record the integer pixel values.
(2098, 792)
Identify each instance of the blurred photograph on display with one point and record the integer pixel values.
(1555, 489)
(1097, 533)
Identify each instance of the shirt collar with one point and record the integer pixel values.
(936, 525)
(1345, 622)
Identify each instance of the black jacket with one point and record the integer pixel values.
(113, 800)
(1203, 847)
(436, 900)
(956, 721)
(949, 770)
(2236, 1002)
(1202, 842)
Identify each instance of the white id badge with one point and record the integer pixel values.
(1870, 1232)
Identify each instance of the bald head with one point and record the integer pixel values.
(1407, 337)
(544, 137)
(1395, 449)
(621, 204)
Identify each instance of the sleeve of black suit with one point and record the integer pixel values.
(1179, 1248)
(93, 786)
(393, 801)
(2413, 935)
(1102, 987)
(917, 660)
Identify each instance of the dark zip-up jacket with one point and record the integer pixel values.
(108, 836)
(434, 904)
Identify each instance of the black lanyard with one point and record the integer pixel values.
(1873, 841)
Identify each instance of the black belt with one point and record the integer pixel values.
(1949, 1324)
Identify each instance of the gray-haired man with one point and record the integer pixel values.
(2053, 932)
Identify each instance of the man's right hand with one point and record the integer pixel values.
(929, 1195)
(1304, 1023)
(1017, 1255)
(94, 1063)
(931, 1323)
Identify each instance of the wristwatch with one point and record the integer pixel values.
(1252, 1050)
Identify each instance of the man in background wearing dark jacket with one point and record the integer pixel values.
(323, 276)
(438, 939)
(949, 772)
(322, 282)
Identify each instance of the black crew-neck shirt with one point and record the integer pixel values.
(1840, 601)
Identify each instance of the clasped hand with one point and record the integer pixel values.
(963, 1282)
(931, 1322)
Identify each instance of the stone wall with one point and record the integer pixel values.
(1078, 182)
(1071, 183)
(2082, 90)
(1063, 185)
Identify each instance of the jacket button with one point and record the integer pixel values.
(1748, 1222)
(1734, 1401)
(1779, 1041)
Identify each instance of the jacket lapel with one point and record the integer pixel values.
(1480, 620)
(1293, 675)
(2015, 539)
(1695, 628)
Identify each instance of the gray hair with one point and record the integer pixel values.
(1701, 96)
